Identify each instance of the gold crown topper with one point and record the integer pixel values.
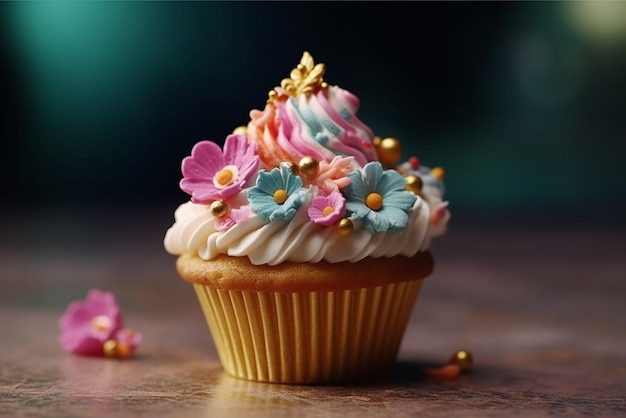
(306, 79)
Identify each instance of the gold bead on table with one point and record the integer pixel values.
(123, 350)
(463, 359)
(389, 150)
(344, 227)
(308, 167)
(110, 348)
(413, 184)
(438, 173)
(219, 208)
(240, 130)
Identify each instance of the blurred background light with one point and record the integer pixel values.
(550, 71)
(522, 103)
(602, 21)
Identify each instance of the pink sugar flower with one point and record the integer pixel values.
(210, 175)
(327, 209)
(333, 175)
(87, 325)
(235, 216)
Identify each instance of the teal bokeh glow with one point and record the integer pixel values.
(521, 103)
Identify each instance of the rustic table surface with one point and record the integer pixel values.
(542, 309)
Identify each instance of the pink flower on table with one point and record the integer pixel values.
(87, 325)
(93, 327)
(210, 175)
(327, 209)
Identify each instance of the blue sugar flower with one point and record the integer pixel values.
(277, 194)
(378, 198)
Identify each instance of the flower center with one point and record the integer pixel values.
(100, 323)
(225, 176)
(374, 201)
(328, 210)
(280, 196)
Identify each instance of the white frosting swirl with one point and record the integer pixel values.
(298, 240)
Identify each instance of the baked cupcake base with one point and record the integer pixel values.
(300, 329)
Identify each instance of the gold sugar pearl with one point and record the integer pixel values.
(344, 227)
(463, 359)
(389, 150)
(308, 167)
(110, 348)
(293, 167)
(219, 208)
(413, 184)
(240, 130)
(438, 173)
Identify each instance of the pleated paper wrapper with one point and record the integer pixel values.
(309, 337)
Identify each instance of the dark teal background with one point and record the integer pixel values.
(523, 103)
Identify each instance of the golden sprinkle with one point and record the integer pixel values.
(413, 184)
(389, 150)
(271, 96)
(374, 201)
(463, 359)
(110, 348)
(240, 130)
(308, 167)
(438, 172)
(293, 167)
(306, 78)
(219, 208)
(344, 227)
(280, 196)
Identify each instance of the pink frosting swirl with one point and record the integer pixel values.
(322, 125)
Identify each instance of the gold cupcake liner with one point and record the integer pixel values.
(309, 337)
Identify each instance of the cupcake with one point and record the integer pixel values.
(305, 238)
